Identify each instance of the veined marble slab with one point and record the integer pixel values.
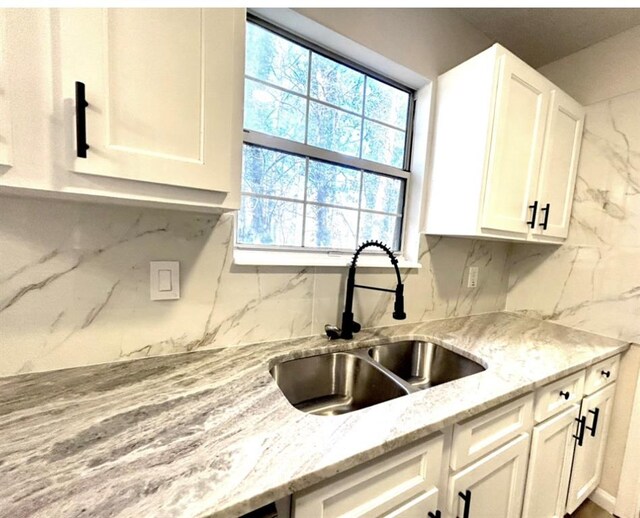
(209, 433)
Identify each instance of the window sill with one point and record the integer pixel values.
(278, 258)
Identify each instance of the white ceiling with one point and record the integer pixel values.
(542, 35)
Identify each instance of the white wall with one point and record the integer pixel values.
(602, 71)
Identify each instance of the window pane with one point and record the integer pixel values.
(386, 103)
(329, 183)
(270, 172)
(273, 111)
(333, 129)
(383, 144)
(380, 227)
(262, 221)
(383, 193)
(326, 227)
(275, 59)
(336, 84)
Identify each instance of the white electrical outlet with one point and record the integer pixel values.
(472, 281)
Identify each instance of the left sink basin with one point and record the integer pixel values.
(335, 383)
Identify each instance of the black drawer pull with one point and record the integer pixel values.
(582, 421)
(606, 374)
(565, 394)
(594, 425)
(534, 208)
(437, 514)
(81, 121)
(546, 209)
(466, 497)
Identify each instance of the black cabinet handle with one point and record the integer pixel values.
(594, 424)
(546, 209)
(81, 121)
(437, 514)
(564, 394)
(466, 497)
(534, 208)
(606, 374)
(582, 422)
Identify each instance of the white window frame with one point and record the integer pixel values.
(307, 29)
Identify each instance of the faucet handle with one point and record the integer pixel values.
(355, 327)
(333, 332)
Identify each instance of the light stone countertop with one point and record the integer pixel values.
(210, 434)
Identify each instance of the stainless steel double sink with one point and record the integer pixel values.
(341, 382)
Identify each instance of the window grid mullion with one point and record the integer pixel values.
(359, 207)
(308, 103)
(304, 201)
(321, 204)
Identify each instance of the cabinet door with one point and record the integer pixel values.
(588, 458)
(164, 93)
(400, 484)
(560, 155)
(5, 116)
(550, 465)
(516, 147)
(495, 483)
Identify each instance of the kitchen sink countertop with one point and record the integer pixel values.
(210, 434)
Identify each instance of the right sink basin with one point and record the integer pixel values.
(423, 364)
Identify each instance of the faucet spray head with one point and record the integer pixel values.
(398, 305)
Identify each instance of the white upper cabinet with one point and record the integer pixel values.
(514, 159)
(159, 92)
(5, 113)
(505, 152)
(161, 121)
(559, 165)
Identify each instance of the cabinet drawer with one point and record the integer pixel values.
(479, 435)
(397, 484)
(601, 374)
(555, 397)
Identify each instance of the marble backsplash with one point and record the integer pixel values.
(592, 281)
(74, 286)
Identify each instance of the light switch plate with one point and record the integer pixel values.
(164, 280)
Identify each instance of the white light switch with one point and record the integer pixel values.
(164, 280)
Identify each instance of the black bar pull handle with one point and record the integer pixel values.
(81, 121)
(582, 422)
(466, 497)
(534, 209)
(606, 374)
(546, 209)
(565, 394)
(437, 514)
(594, 424)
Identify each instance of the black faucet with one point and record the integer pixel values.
(350, 326)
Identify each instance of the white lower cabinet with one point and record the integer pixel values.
(494, 465)
(492, 487)
(403, 484)
(550, 465)
(589, 455)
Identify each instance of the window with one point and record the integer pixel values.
(325, 152)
